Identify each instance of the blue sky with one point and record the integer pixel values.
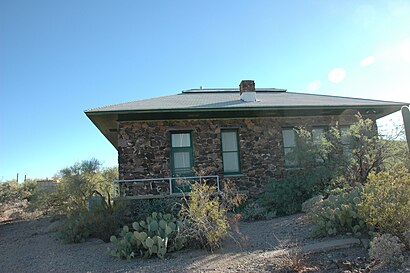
(59, 58)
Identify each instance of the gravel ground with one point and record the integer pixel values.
(33, 246)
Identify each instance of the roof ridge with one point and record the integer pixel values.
(230, 90)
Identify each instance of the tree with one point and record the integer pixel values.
(337, 157)
(76, 184)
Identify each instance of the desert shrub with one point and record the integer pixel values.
(386, 201)
(366, 151)
(252, 211)
(406, 238)
(285, 196)
(76, 184)
(48, 202)
(158, 234)
(82, 180)
(142, 208)
(206, 217)
(16, 197)
(232, 199)
(387, 249)
(103, 221)
(12, 192)
(75, 228)
(100, 222)
(312, 204)
(338, 214)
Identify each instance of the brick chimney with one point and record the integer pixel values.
(246, 86)
(247, 91)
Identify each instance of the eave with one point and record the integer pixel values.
(107, 121)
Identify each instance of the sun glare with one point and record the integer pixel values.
(367, 61)
(337, 75)
(315, 85)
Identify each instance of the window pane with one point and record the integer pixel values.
(289, 138)
(290, 157)
(182, 160)
(181, 140)
(229, 141)
(345, 138)
(231, 163)
(316, 133)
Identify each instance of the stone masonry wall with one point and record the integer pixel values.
(144, 147)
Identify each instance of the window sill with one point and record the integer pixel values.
(233, 175)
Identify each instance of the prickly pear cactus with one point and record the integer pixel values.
(157, 235)
(338, 214)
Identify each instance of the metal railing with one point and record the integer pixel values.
(151, 183)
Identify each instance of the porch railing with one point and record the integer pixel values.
(159, 187)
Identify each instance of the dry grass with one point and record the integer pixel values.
(292, 262)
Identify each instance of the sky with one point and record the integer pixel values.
(59, 58)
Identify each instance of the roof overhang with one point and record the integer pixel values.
(107, 121)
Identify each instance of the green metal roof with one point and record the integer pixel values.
(226, 103)
(198, 99)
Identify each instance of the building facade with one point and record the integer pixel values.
(241, 135)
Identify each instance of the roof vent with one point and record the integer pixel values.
(247, 91)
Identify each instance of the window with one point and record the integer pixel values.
(317, 133)
(346, 140)
(230, 152)
(289, 146)
(181, 153)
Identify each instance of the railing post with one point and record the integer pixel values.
(217, 182)
(170, 186)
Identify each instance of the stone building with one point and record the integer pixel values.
(241, 134)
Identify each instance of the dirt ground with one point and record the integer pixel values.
(34, 246)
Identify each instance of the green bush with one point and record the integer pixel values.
(142, 208)
(48, 202)
(206, 216)
(310, 205)
(285, 196)
(158, 234)
(386, 201)
(75, 228)
(12, 192)
(338, 214)
(406, 238)
(76, 184)
(101, 222)
(252, 211)
(82, 180)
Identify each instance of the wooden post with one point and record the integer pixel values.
(406, 120)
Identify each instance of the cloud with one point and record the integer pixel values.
(399, 52)
(404, 50)
(367, 61)
(337, 75)
(315, 85)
